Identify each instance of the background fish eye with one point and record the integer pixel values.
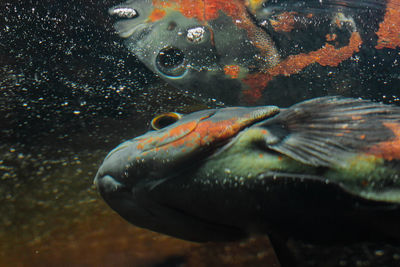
(170, 61)
(164, 120)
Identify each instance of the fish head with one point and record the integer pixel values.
(207, 47)
(133, 171)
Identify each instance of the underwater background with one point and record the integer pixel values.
(70, 92)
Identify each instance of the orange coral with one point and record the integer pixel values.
(389, 29)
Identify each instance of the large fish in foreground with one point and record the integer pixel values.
(324, 169)
(248, 51)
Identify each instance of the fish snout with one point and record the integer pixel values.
(112, 175)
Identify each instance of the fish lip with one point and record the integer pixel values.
(108, 184)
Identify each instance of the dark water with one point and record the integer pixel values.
(70, 92)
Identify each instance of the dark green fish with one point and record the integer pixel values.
(324, 169)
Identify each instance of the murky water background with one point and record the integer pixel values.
(70, 92)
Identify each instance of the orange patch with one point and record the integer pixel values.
(203, 10)
(232, 71)
(390, 149)
(140, 146)
(331, 37)
(328, 55)
(157, 14)
(389, 28)
(256, 83)
(207, 132)
(284, 22)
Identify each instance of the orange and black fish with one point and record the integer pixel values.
(239, 50)
(324, 169)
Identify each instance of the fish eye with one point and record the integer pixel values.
(170, 62)
(164, 120)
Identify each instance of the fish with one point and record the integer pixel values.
(235, 51)
(323, 170)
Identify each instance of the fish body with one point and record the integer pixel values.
(326, 168)
(236, 51)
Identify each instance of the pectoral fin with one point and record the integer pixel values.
(324, 131)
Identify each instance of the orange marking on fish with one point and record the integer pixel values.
(284, 22)
(328, 55)
(256, 84)
(157, 14)
(264, 132)
(390, 149)
(232, 71)
(140, 146)
(338, 23)
(260, 156)
(389, 28)
(204, 10)
(355, 118)
(362, 137)
(331, 37)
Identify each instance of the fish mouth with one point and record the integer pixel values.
(137, 31)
